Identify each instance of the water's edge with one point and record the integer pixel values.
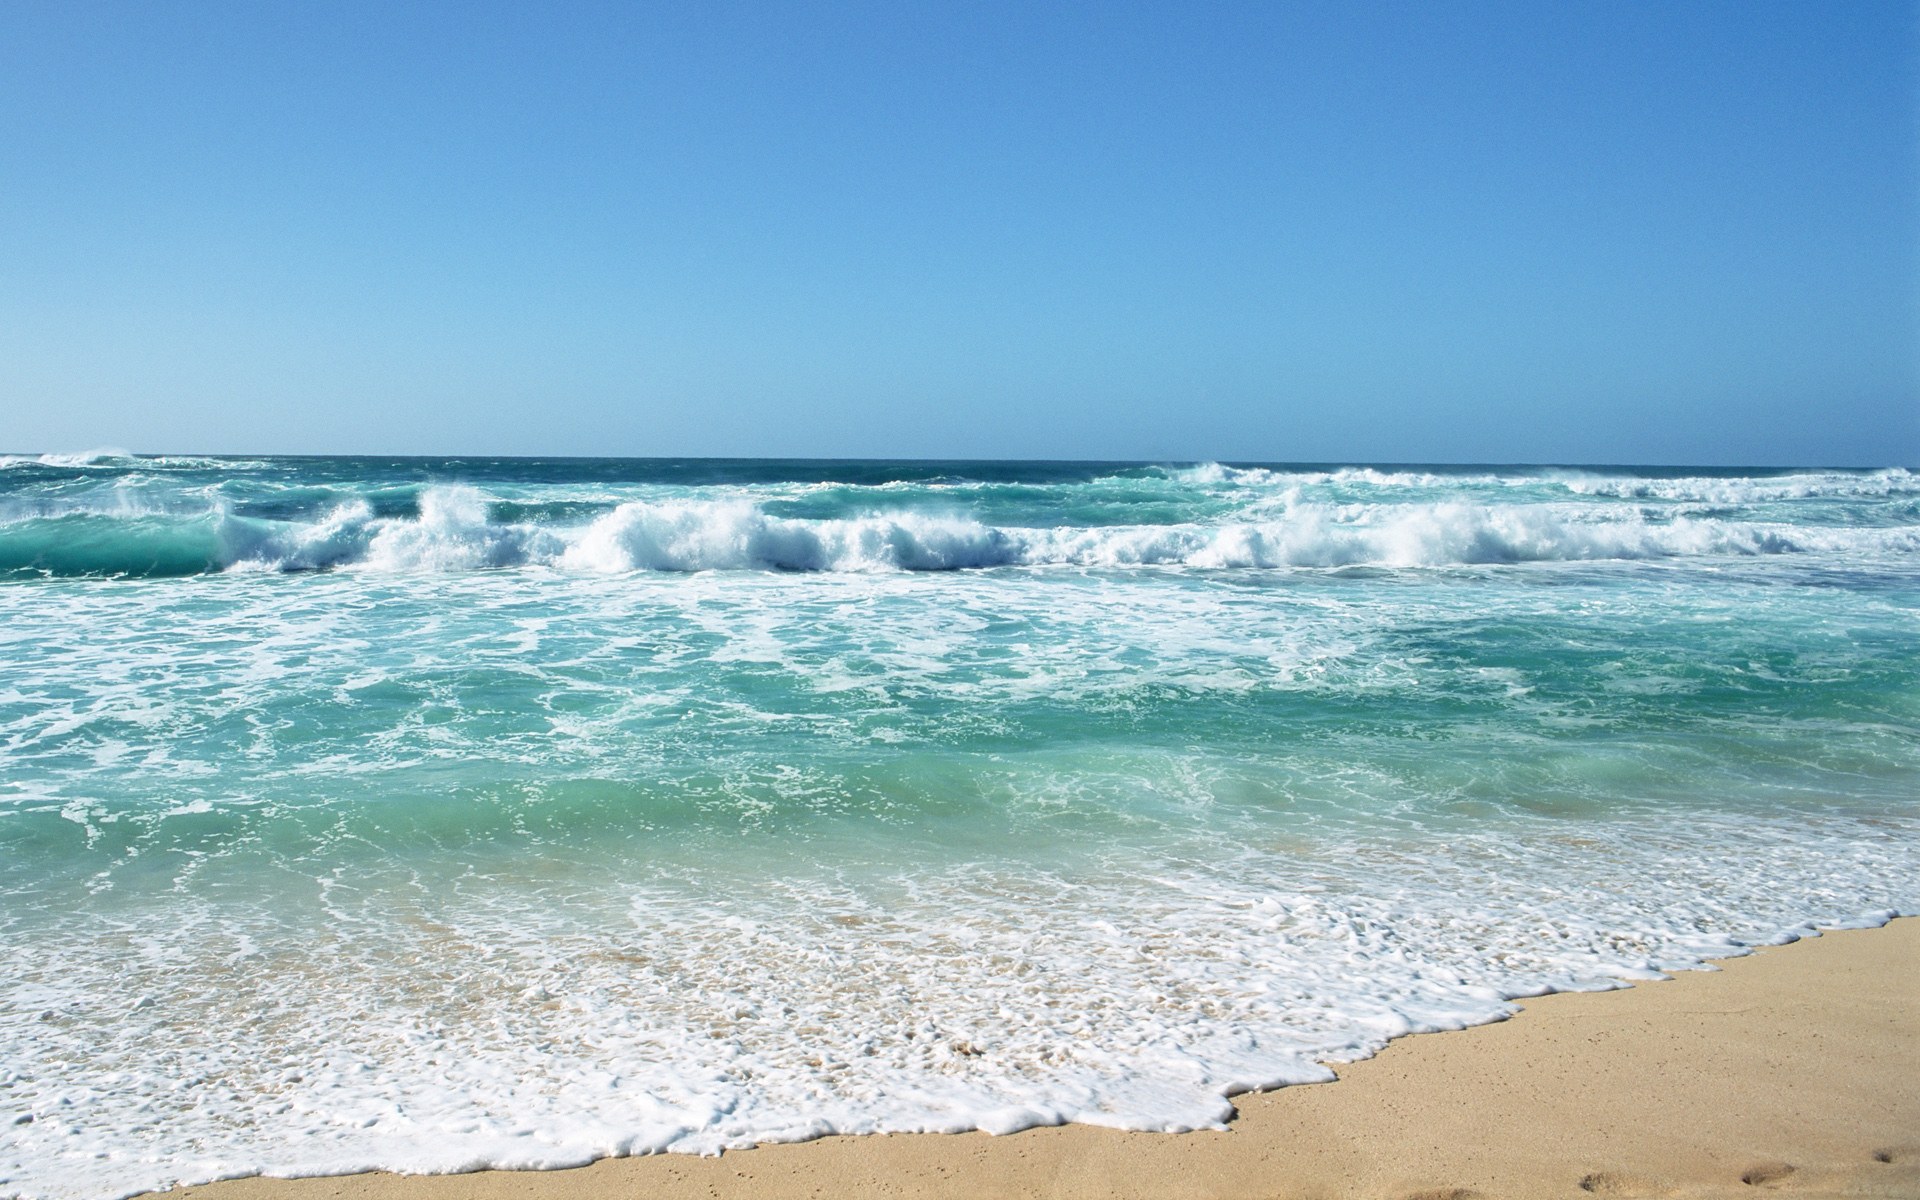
(1877, 920)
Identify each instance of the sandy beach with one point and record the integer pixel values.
(1795, 1070)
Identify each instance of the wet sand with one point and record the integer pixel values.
(1793, 1071)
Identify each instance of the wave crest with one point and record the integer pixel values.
(738, 535)
(455, 531)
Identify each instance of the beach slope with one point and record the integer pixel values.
(1795, 1070)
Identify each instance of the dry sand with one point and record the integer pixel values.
(1796, 1071)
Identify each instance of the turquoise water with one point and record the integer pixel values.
(426, 814)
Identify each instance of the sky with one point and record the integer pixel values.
(1387, 232)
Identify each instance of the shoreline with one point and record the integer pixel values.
(1794, 1069)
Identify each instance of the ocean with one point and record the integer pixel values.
(430, 814)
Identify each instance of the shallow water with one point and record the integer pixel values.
(425, 814)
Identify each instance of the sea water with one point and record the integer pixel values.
(437, 814)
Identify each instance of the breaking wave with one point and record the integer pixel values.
(455, 529)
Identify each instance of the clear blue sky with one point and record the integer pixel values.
(1607, 232)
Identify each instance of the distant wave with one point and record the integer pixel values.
(1213, 473)
(1797, 485)
(453, 532)
(105, 456)
(1716, 489)
(111, 458)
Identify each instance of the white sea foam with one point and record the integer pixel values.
(535, 1029)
